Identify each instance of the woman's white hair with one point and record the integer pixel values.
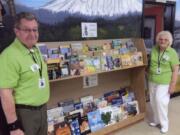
(167, 34)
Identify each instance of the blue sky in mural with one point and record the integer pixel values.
(37, 3)
(178, 10)
(33, 3)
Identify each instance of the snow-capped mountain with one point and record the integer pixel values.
(94, 7)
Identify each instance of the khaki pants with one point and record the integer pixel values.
(34, 121)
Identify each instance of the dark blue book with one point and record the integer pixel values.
(73, 121)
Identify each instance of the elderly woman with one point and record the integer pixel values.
(163, 71)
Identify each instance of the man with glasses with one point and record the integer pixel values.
(24, 86)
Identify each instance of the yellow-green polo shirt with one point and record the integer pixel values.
(16, 73)
(168, 60)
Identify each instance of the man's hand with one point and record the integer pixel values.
(17, 132)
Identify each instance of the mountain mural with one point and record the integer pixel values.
(58, 10)
(60, 20)
(94, 7)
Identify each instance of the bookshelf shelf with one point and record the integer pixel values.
(100, 72)
(124, 123)
(71, 87)
(53, 61)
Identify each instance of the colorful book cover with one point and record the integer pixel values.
(44, 50)
(67, 105)
(55, 113)
(84, 125)
(137, 58)
(62, 129)
(116, 43)
(131, 47)
(132, 107)
(53, 53)
(76, 48)
(126, 60)
(73, 121)
(106, 114)
(75, 67)
(65, 50)
(95, 121)
(109, 96)
(78, 105)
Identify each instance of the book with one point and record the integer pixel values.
(91, 65)
(116, 43)
(50, 128)
(77, 111)
(109, 61)
(95, 121)
(84, 125)
(107, 46)
(109, 96)
(67, 105)
(116, 115)
(100, 102)
(65, 50)
(75, 67)
(132, 107)
(77, 48)
(62, 129)
(55, 113)
(106, 114)
(65, 70)
(86, 99)
(53, 53)
(123, 49)
(73, 121)
(78, 105)
(137, 58)
(44, 50)
(126, 60)
(131, 47)
(89, 107)
(117, 101)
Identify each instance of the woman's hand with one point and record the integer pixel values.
(172, 86)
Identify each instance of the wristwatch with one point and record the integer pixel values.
(15, 125)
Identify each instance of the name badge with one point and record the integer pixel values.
(158, 71)
(35, 67)
(42, 83)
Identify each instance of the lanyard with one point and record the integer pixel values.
(35, 60)
(160, 57)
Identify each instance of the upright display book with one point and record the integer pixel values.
(62, 129)
(53, 53)
(137, 58)
(76, 48)
(55, 114)
(73, 121)
(44, 50)
(95, 121)
(84, 125)
(67, 105)
(65, 50)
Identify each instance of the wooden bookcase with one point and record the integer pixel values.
(133, 76)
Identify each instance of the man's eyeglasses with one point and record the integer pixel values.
(26, 30)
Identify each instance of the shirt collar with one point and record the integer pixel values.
(167, 49)
(22, 47)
